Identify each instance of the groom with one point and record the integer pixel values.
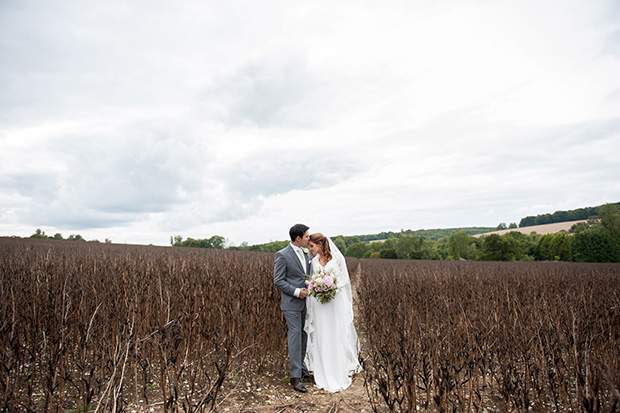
(290, 266)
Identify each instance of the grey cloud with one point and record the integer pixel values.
(133, 174)
(70, 59)
(584, 132)
(563, 150)
(517, 158)
(281, 171)
(613, 96)
(612, 43)
(111, 181)
(39, 185)
(247, 183)
(74, 217)
(269, 93)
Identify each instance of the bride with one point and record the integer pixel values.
(333, 346)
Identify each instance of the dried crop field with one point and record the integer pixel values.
(86, 326)
(483, 336)
(111, 327)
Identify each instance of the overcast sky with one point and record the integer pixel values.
(138, 120)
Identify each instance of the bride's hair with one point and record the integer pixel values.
(321, 240)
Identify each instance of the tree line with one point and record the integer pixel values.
(562, 216)
(597, 240)
(214, 242)
(432, 234)
(345, 241)
(40, 234)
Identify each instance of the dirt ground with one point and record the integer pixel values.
(276, 395)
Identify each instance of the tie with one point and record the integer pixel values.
(303, 260)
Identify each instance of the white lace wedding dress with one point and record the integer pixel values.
(333, 346)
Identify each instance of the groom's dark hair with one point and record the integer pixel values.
(297, 230)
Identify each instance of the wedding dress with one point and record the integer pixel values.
(333, 346)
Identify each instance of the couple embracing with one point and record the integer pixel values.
(322, 341)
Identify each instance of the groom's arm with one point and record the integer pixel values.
(279, 277)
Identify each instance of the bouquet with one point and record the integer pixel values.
(323, 285)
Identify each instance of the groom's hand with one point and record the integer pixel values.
(303, 293)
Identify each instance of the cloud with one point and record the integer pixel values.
(268, 93)
(281, 170)
(151, 119)
(129, 171)
(31, 184)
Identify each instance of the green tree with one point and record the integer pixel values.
(428, 251)
(39, 234)
(610, 220)
(554, 247)
(543, 251)
(459, 245)
(472, 251)
(388, 253)
(594, 245)
(523, 246)
(273, 246)
(501, 248)
(561, 245)
(340, 243)
(376, 246)
(407, 247)
(578, 227)
(492, 248)
(217, 242)
(357, 250)
(351, 240)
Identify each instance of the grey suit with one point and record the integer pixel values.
(288, 275)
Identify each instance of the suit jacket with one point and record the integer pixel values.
(288, 275)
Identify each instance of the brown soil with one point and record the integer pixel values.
(276, 395)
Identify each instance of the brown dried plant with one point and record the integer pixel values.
(482, 336)
(117, 328)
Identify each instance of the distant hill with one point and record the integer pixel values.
(539, 229)
(541, 224)
(561, 216)
(430, 234)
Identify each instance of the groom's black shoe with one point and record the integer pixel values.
(307, 375)
(298, 385)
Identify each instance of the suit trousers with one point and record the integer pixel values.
(297, 340)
